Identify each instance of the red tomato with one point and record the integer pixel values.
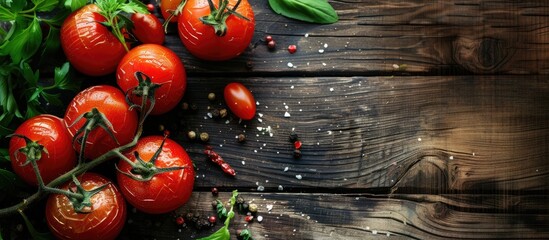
(240, 100)
(112, 103)
(50, 132)
(89, 46)
(166, 191)
(147, 28)
(201, 40)
(105, 221)
(167, 7)
(163, 67)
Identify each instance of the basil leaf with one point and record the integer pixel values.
(315, 11)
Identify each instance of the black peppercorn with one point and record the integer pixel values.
(241, 138)
(293, 137)
(297, 154)
(215, 113)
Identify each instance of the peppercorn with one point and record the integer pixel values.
(150, 7)
(214, 204)
(194, 107)
(292, 49)
(222, 113)
(212, 219)
(252, 207)
(215, 191)
(204, 137)
(239, 200)
(249, 218)
(202, 224)
(293, 137)
(297, 144)
(215, 113)
(191, 135)
(241, 138)
(211, 96)
(268, 38)
(249, 64)
(297, 154)
(185, 106)
(271, 45)
(179, 220)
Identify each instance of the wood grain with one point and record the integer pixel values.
(392, 37)
(411, 134)
(360, 216)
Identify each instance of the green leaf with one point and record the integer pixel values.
(74, 5)
(315, 11)
(27, 73)
(62, 80)
(6, 14)
(133, 7)
(4, 155)
(24, 44)
(51, 45)
(17, 5)
(32, 231)
(33, 109)
(45, 5)
(7, 179)
(52, 99)
(35, 94)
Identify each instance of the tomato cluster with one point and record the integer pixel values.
(154, 173)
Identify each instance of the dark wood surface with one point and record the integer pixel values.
(420, 120)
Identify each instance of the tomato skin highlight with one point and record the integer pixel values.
(112, 103)
(148, 28)
(202, 42)
(166, 191)
(163, 66)
(89, 46)
(240, 100)
(50, 132)
(105, 221)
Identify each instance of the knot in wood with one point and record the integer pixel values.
(482, 55)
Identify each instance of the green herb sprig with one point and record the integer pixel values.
(314, 11)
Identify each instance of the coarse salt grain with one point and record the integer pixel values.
(286, 169)
(290, 65)
(320, 50)
(287, 114)
(298, 176)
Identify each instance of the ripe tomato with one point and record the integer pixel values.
(166, 191)
(111, 102)
(240, 100)
(163, 66)
(201, 39)
(105, 220)
(167, 7)
(89, 46)
(58, 156)
(147, 28)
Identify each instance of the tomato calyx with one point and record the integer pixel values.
(33, 151)
(173, 13)
(116, 21)
(94, 119)
(144, 171)
(80, 197)
(218, 16)
(146, 90)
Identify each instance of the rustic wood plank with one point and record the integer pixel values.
(358, 216)
(411, 134)
(387, 37)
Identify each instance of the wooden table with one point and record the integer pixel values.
(419, 120)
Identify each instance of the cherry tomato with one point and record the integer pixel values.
(163, 66)
(240, 100)
(111, 102)
(167, 7)
(105, 220)
(166, 191)
(147, 28)
(201, 39)
(57, 158)
(89, 46)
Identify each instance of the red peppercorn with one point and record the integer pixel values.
(212, 219)
(249, 218)
(297, 144)
(150, 7)
(292, 49)
(271, 44)
(215, 191)
(268, 38)
(179, 220)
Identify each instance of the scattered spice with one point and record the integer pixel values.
(249, 218)
(211, 96)
(252, 207)
(271, 45)
(259, 219)
(150, 7)
(215, 192)
(223, 113)
(292, 49)
(185, 106)
(214, 157)
(179, 220)
(212, 219)
(204, 137)
(241, 138)
(268, 38)
(297, 144)
(191, 135)
(297, 154)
